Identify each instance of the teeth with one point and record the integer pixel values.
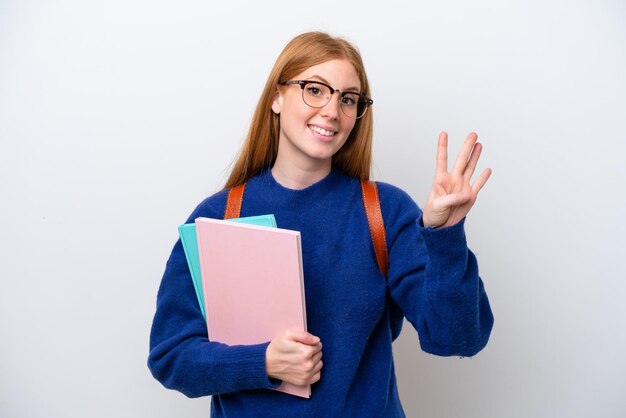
(322, 131)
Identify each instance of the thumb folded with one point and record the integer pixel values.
(453, 199)
(304, 337)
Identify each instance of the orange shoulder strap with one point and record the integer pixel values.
(234, 201)
(371, 203)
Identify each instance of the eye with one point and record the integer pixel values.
(349, 99)
(313, 89)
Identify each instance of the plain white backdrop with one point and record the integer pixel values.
(118, 117)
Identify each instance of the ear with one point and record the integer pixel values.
(276, 103)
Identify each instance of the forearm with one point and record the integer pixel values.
(197, 367)
(434, 278)
(456, 316)
(181, 356)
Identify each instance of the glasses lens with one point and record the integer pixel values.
(315, 94)
(361, 108)
(350, 104)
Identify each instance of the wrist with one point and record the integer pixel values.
(268, 363)
(427, 224)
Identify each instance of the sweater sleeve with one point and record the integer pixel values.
(181, 355)
(433, 277)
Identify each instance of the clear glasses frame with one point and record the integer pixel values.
(353, 104)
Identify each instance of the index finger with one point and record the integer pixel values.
(442, 153)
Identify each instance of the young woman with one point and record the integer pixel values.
(308, 147)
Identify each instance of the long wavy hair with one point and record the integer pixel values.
(260, 147)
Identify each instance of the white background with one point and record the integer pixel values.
(118, 117)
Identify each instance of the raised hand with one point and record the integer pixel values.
(452, 196)
(294, 357)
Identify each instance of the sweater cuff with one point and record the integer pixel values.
(445, 245)
(247, 362)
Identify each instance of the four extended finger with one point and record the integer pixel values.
(442, 153)
(473, 161)
(464, 154)
(481, 180)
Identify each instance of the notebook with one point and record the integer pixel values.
(189, 240)
(253, 284)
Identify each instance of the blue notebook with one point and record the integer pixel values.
(188, 237)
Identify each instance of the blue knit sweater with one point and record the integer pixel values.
(357, 313)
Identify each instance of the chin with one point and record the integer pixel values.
(322, 155)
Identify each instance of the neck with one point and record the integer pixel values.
(292, 176)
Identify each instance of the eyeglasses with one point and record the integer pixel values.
(318, 94)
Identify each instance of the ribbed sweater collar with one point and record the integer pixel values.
(301, 199)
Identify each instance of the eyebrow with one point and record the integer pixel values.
(354, 89)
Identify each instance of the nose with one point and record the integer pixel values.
(332, 108)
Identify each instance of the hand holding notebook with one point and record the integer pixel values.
(295, 357)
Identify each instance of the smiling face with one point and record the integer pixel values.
(309, 136)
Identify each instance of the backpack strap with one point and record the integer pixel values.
(371, 203)
(234, 201)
